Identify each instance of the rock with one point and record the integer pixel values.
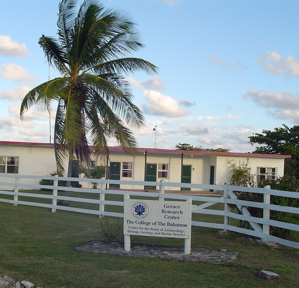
(265, 274)
(27, 284)
(7, 282)
(198, 254)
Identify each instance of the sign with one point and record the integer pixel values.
(157, 218)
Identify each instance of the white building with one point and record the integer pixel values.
(197, 167)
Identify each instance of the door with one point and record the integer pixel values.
(150, 175)
(186, 176)
(114, 174)
(212, 176)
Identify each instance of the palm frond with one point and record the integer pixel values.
(60, 145)
(66, 16)
(125, 65)
(55, 55)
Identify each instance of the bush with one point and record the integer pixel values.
(97, 173)
(51, 182)
(112, 229)
(285, 183)
(241, 176)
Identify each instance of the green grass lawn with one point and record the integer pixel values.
(38, 246)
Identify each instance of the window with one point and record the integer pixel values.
(9, 164)
(162, 170)
(127, 169)
(266, 173)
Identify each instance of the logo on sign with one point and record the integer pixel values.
(139, 210)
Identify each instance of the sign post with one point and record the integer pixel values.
(170, 219)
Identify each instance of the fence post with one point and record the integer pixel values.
(102, 198)
(266, 212)
(55, 193)
(226, 207)
(187, 248)
(161, 190)
(127, 237)
(16, 191)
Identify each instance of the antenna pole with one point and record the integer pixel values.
(155, 130)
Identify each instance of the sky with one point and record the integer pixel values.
(227, 69)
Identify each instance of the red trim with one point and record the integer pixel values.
(195, 152)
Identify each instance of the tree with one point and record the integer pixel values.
(92, 94)
(241, 174)
(185, 146)
(283, 141)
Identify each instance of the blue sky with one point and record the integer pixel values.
(227, 69)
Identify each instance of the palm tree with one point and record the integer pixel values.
(93, 99)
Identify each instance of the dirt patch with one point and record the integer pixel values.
(174, 253)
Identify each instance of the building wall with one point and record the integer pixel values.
(223, 167)
(199, 173)
(39, 161)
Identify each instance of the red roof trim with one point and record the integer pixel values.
(195, 152)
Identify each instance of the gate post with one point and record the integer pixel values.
(102, 198)
(226, 207)
(161, 190)
(266, 212)
(16, 191)
(55, 192)
(187, 246)
(127, 237)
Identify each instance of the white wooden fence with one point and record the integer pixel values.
(18, 190)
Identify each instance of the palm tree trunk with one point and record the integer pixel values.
(69, 174)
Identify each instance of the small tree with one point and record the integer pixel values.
(96, 173)
(241, 174)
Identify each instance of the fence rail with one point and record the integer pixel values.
(221, 210)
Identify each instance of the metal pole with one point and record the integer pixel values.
(155, 130)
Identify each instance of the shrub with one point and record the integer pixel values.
(112, 229)
(51, 182)
(241, 176)
(285, 183)
(97, 173)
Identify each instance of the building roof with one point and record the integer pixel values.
(158, 151)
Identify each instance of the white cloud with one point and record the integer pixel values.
(34, 128)
(8, 47)
(34, 113)
(218, 61)
(162, 105)
(8, 123)
(17, 74)
(211, 118)
(274, 63)
(191, 130)
(284, 105)
(195, 131)
(186, 103)
(152, 84)
(273, 99)
(238, 64)
(241, 65)
(15, 94)
(290, 115)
